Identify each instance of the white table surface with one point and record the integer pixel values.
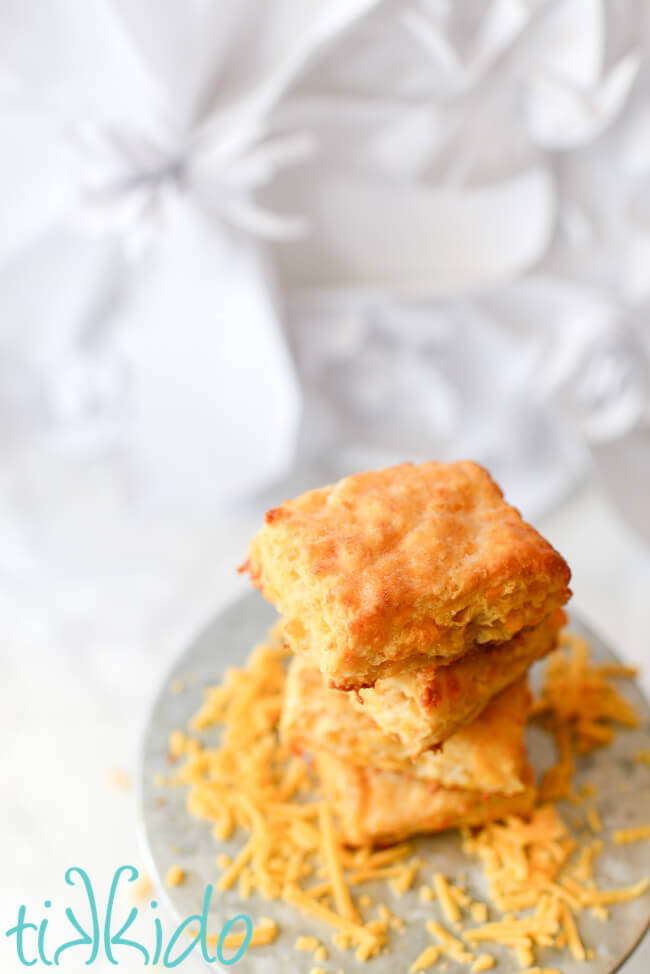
(96, 600)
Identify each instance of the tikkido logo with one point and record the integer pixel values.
(109, 935)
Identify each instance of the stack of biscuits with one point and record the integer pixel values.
(414, 599)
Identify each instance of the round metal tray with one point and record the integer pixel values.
(171, 836)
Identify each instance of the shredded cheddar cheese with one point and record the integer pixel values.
(141, 889)
(313, 946)
(406, 877)
(571, 933)
(447, 901)
(175, 876)
(583, 869)
(623, 836)
(580, 694)
(449, 945)
(355, 931)
(309, 944)
(483, 963)
(249, 784)
(264, 933)
(331, 855)
(427, 958)
(593, 820)
(479, 912)
(527, 865)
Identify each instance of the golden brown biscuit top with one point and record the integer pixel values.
(384, 562)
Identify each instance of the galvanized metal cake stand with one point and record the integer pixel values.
(171, 837)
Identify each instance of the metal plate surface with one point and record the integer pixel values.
(171, 836)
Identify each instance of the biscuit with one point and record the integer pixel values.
(380, 807)
(396, 567)
(488, 755)
(425, 707)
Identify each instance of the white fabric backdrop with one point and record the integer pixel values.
(169, 176)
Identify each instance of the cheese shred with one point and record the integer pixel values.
(624, 836)
(332, 859)
(447, 901)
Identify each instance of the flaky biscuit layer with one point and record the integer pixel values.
(488, 755)
(425, 707)
(380, 807)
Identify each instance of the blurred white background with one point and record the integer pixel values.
(247, 248)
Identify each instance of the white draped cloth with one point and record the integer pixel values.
(414, 179)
